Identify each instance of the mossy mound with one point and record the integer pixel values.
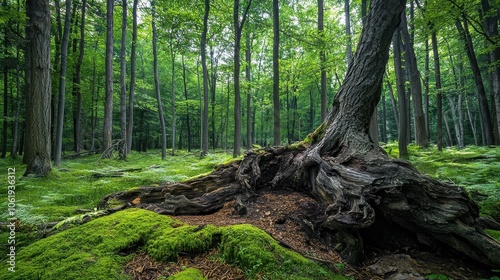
(188, 274)
(100, 248)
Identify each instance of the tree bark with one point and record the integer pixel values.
(248, 75)
(204, 141)
(480, 90)
(322, 60)
(416, 87)
(439, 100)
(37, 153)
(108, 104)
(276, 75)
(350, 176)
(131, 96)
(123, 86)
(77, 111)
(62, 84)
(400, 88)
(157, 87)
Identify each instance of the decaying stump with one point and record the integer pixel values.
(341, 167)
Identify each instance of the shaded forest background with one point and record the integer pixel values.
(207, 75)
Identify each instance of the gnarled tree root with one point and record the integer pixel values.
(354, 190)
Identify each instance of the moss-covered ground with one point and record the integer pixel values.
(99, 249)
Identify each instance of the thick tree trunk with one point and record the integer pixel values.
(342, 169)
(400, 88)
(38, 85)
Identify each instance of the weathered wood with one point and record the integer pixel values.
(340, 166)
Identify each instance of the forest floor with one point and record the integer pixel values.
(284, 215)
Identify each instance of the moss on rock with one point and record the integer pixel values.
(188, 274)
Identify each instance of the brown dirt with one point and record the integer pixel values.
(289, 217)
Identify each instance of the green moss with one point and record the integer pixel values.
(187, 239)
(100, 248)
(90, 251)
(259, 255)
(316, 135)
(188, 274)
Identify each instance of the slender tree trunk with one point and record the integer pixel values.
(15, 136)
(439, 100)
(400, 81)
(37, 154)
(108, 104)
(5, 99)
(449, 139)
(172, 91)
(384, 120)
(238, 27)
(123, 87)
(322, 60)
(62, 84)
(426, 90)
(248, 74)
(491, 28)
(347, 13)
(480, 90)
(276, 75)
(131, 96)
(157, 87)
(416, 87)
(188, 121)
(471, 121)
(393, 102)
(77, 112)
(204, 141)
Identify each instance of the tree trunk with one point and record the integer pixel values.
(38, 80)
(188, 120)
(248, 74)
(5, 99)
(77, 112)
(172, 92)
(123, 87)
(62, 84)
(322, 60)
(400, 88)
(480, 90)
(439, 101)
(491, 28)
(276, 75)
(157, 87)
(204, 141)
(347, 14)
(108, 104)
(351, 178)
(416, 87)
(130, 127)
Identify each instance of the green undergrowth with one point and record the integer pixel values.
(188, 274)
(99, 249)
(475, 168)
(74, 185)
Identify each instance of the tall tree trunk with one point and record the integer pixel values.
(400, 88)
(15, 136)
(37, 154)
(248, 74)
(108, 104)
(358, 189)
(416, 87)
(188, 121)
(123, 87)
(347, 13)
(491, 28)
(471, 122)
(62, 84)
(322, 60)
(131, 96)
(426, 90)
(238, 27)
(276, 75)
(5, 98)
(77, 112)
(439, 100)
(157, 86)
(481, 92)
(204, 141)
(172, 92)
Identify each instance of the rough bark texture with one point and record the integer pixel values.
(108, 105)
(338, 165)
(38, 85)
